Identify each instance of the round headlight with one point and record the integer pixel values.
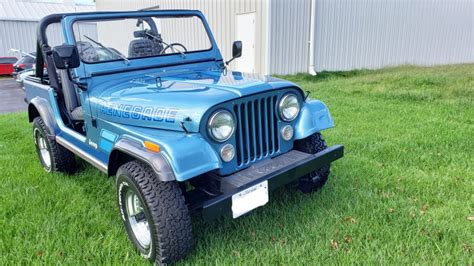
(289, 107)
(221, 125)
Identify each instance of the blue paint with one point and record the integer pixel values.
(314, 117)
(108, 140)
(139, 112)
(106, 145)
(108, 135)
(132, 104)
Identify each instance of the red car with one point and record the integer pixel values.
(6, 65)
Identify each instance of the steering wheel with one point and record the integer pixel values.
(170, 46)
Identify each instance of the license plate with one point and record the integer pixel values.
(249, 199)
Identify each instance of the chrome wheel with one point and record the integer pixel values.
(42, 148)
(137, 219)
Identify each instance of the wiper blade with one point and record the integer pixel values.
(108, 49)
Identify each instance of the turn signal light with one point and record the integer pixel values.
(153, 147)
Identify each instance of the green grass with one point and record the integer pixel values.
(402, 193)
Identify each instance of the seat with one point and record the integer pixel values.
(143, 47)
(87, 51)
(71, 98)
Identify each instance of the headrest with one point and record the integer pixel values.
(140, 34)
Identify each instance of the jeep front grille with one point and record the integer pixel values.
(257, 129)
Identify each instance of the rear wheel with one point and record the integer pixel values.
(316, 179)
(53, 157)
(154, 213)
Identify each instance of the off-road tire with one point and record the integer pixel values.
(316, 179)
(165, 210)
(62, 160)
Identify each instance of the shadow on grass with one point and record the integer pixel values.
(287, 206)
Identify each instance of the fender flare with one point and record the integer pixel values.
(156, 161)
(314, 117)
(40, 107)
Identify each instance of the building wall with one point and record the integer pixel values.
(22, 35)
(355, 34)
(289, 37)
(221, 16)
(19, 19)
(18, 35)
(349, 34)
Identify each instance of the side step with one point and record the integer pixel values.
(260, 169)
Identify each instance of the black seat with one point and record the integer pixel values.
(72, 101)
(143, 47)
(71, 97)
(87, 51)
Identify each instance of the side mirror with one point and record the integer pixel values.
(66, 57)
(236, 51)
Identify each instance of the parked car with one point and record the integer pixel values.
(181, 133)
(26, 62)
(6, 65)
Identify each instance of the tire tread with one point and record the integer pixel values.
(62, 160)
(167, 206)
(313, 144)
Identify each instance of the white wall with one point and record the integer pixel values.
(22, 35)
(17, 35)
(289, 38)
(349, 34)
(355, 34)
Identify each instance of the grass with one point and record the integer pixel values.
(403, 193)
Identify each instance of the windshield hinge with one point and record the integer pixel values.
(183, 126)
(220, 63)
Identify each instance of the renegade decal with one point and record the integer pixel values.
(139, 112)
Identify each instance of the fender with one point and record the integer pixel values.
(157, 161)
(45, 112)
(314, 117)
(182, 157)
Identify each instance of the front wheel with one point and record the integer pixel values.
(154, 213)
(316, 179)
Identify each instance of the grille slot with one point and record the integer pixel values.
(257, 130)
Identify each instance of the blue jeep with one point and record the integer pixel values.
(147, 97)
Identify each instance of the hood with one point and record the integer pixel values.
(166, 100)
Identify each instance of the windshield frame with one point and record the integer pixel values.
(114, 66)
(208, 35)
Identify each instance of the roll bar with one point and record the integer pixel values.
(43, 50)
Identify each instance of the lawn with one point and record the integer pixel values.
(403, 193)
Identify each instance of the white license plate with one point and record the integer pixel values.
(249, 199)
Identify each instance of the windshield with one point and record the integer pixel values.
(129, 38)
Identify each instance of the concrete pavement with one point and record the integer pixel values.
(11, 96)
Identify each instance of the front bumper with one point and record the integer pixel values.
(277, 172)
